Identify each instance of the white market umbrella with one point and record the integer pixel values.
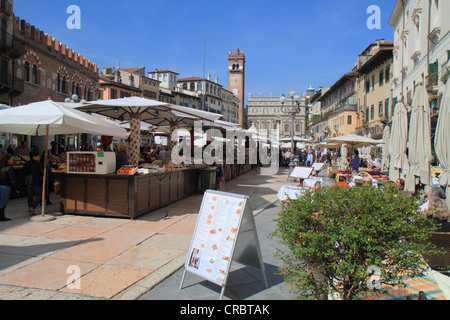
(49, 117)
(419, 145)
(385, 148)
(326, 144)
(295, 139)
(442, 141)
(397, 143)
(33, 119)
(136, 109)
(353, 141)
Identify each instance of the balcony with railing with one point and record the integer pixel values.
(9, 84)
(6, 8)
(6, 39)
(432, 80)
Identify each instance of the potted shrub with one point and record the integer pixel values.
(337, 237)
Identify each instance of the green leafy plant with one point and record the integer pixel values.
(333, 240)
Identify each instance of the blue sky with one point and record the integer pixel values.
(289, 44)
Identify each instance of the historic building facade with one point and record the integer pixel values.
(10, 85)
(266, 113)
(337, 109)
(421, 48)
(374, 95)
(236, 80)
(49, 69)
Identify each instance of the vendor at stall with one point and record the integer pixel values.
(122, 156)
(22, 150)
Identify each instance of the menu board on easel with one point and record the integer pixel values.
(217, 239)
(301, 172)
(317, 166)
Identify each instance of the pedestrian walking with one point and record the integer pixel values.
(7, 182)
(34, 174)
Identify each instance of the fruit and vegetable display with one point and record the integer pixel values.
(127, 170)
(20, 160)
(56, 159)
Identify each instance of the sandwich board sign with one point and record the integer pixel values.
(318, 166)
(225, 232)
(301, 172)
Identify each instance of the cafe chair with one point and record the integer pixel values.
(440, 262)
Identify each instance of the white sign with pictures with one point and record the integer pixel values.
(225, 229)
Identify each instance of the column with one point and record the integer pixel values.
(135, 138)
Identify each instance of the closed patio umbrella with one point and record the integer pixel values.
(385, 148)
(397, 143)
(344, 160)
(442, 141)
(419, 145)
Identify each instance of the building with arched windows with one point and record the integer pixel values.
(49, 69)
(10, 49)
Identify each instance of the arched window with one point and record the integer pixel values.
(192, 87)
(63, 85)
(26, 75)
(58, 83)
(34, 78)
(184, 86)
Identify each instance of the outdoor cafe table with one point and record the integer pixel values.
(288, 193)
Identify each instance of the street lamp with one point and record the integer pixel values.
(292, 110)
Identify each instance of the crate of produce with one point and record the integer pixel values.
(127, 170)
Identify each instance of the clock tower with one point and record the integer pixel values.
(236, 79)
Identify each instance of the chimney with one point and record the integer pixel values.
(217, 80)
(209, 76)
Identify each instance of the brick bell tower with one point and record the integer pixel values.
(236, 79)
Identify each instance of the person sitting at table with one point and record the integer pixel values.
(368, 181)
(439, 213)
(342, 182)
(400, 183)
(433, 193)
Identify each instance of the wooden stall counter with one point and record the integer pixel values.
(127, 196)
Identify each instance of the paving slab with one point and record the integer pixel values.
(108, 280)
(45, 274)
(119, 258)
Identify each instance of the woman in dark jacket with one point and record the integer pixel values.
(7, 181)
(34, 188)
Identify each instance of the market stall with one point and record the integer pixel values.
(130, 193)
(48, 117)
